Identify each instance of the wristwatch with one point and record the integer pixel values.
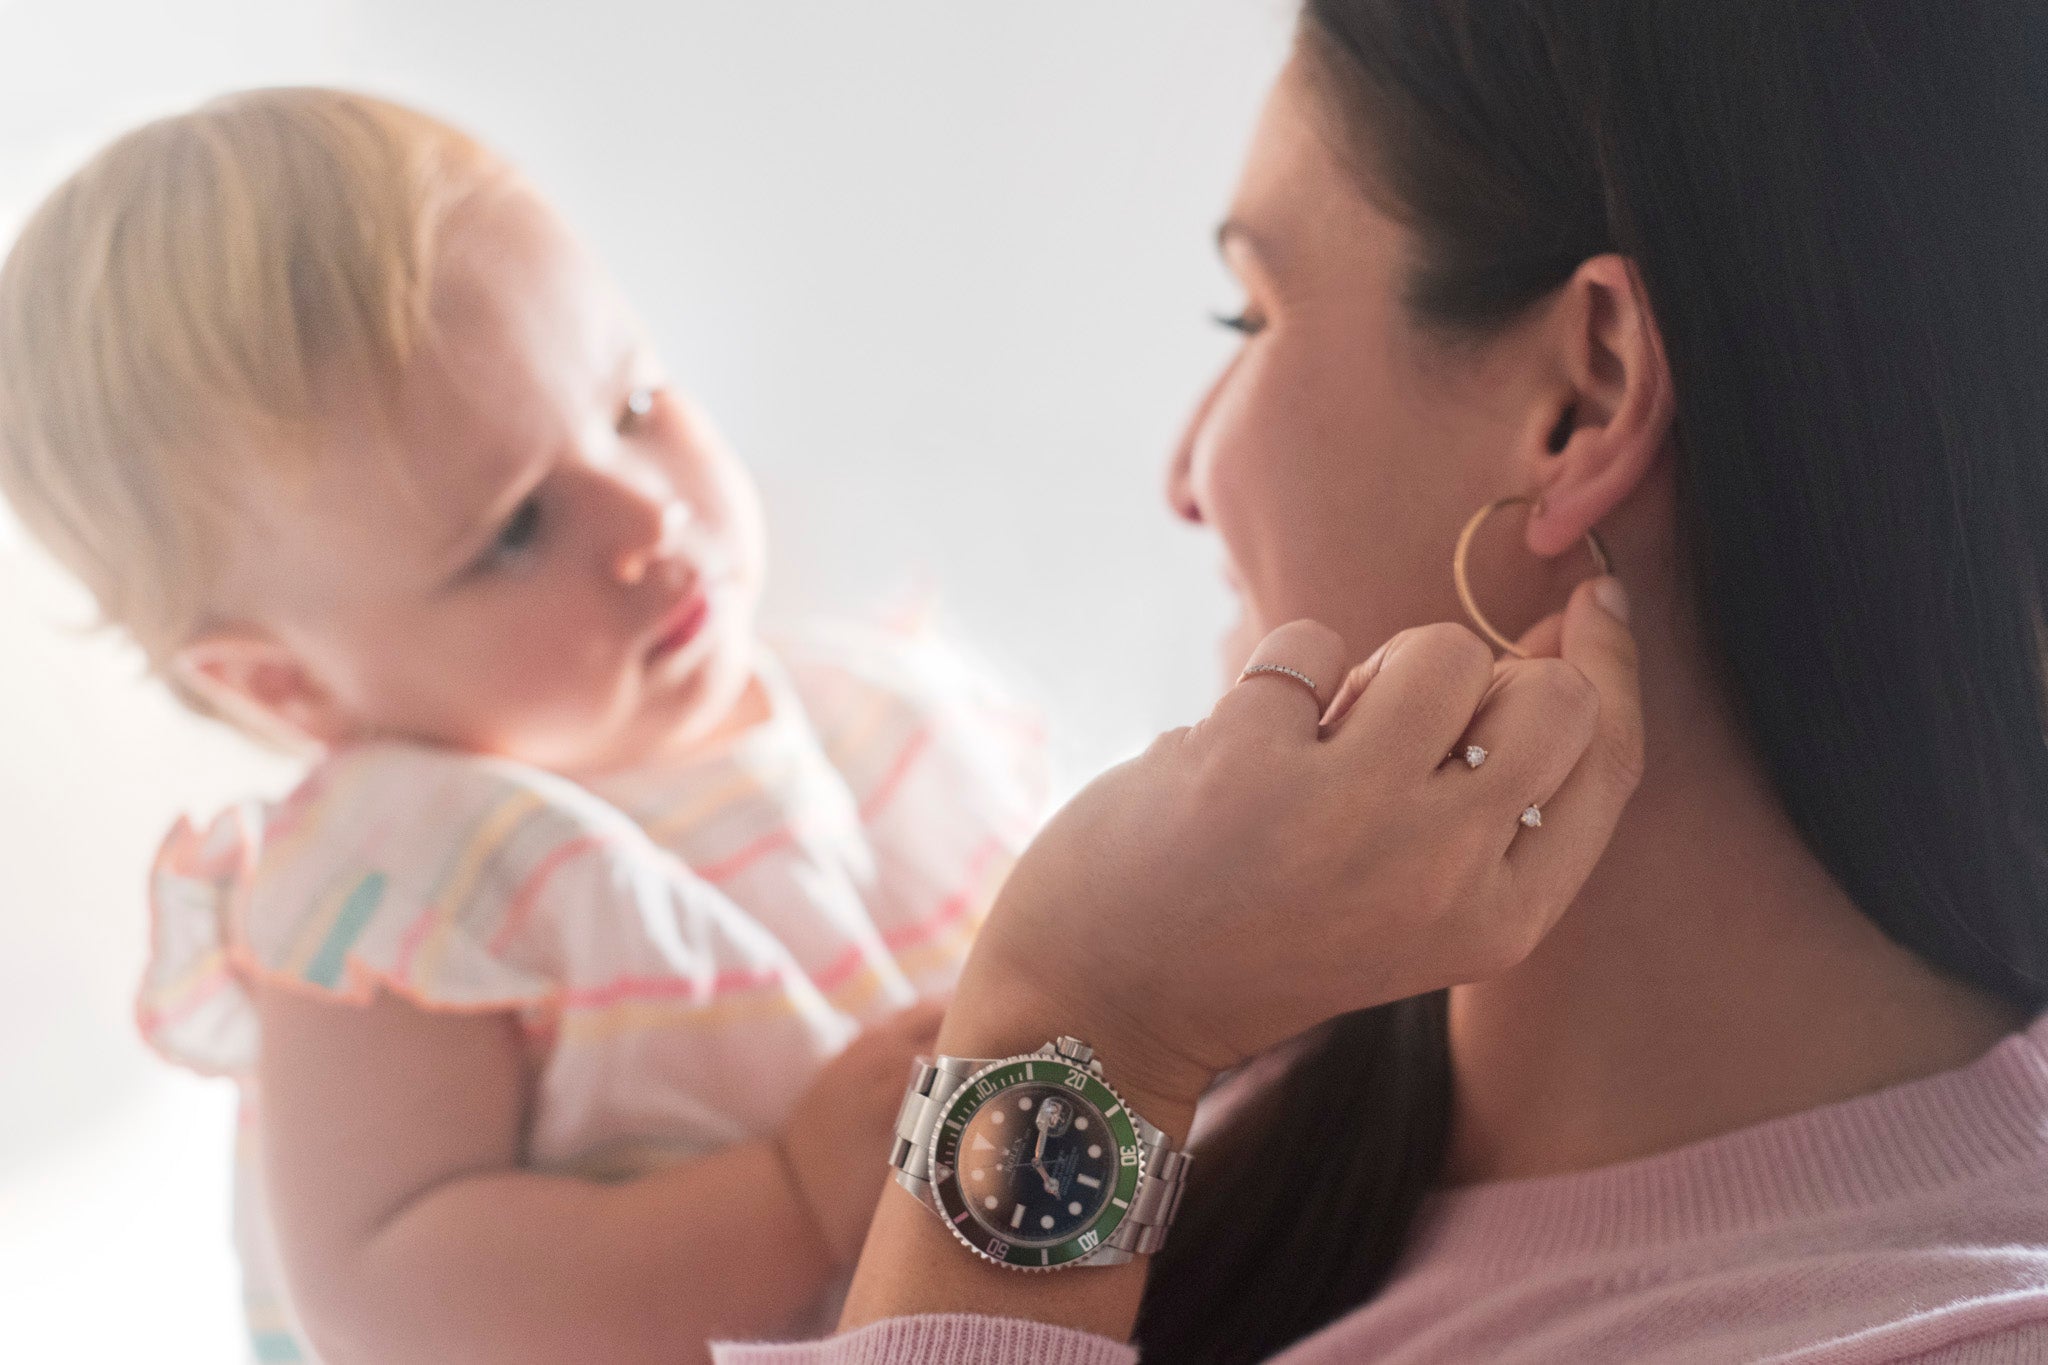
(1034, 1162)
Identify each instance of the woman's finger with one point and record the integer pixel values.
(1287, 684)
(1534, 726)
(1542, 640)
(1413, 707)
(1551, 863)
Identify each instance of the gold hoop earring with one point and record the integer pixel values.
(1458, 574)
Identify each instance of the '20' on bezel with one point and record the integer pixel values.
(977, 1091)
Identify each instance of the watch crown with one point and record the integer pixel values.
(1074, 1050)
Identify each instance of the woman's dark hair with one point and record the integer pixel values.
(1839, 213)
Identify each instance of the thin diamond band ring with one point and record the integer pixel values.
(1284, 671)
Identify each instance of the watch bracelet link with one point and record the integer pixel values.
(933, 1084)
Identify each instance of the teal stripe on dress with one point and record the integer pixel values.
(276, 1348)
(325, 968)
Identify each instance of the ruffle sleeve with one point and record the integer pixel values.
(460, 883)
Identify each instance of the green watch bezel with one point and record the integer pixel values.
(985, 1085)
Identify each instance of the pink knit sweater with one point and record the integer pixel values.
(1906, 1225)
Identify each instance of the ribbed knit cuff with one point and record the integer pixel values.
(939, 1339)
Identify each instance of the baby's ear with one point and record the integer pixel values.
(255, 681)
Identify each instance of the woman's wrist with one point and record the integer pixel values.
(914, 1264)
(1000, 1011)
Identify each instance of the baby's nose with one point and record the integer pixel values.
(669, 525)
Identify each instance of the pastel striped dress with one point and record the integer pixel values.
(684, 946)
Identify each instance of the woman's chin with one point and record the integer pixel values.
(1234, 650)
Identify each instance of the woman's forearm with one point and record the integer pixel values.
(511, 1267)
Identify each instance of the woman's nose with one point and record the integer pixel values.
(1180, 476)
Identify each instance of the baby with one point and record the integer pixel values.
(543, 987)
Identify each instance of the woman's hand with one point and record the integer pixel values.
(1252, 876)
(1248, 878)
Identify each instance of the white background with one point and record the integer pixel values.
(940, 268)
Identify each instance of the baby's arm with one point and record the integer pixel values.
(410, 1233)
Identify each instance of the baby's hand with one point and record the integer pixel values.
(838, 1138)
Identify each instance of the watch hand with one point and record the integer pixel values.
(1038, 1155)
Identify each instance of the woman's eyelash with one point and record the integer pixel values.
(1238, 322)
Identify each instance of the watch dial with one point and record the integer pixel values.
(1036, 1164)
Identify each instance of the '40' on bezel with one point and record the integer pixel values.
(991, 1081)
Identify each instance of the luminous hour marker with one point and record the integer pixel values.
(1017, 1216)
(1090, 1181)
(1024, 1103)
(1081, 1123)
(996, 1115)
(1094, 1152)
(982, 1144)
(1045, 1222)
(1073, 1208)
(989, 1202)
(980, 1174)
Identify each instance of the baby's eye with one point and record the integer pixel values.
(639, 403)
(518, 534)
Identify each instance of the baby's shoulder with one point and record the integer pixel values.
(386, 791)
(455, 880)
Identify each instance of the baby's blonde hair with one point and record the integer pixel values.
(172, 314)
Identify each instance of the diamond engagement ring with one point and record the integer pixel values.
(1284, 671)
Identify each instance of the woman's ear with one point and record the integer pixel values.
(1610, 414)
(254, 680)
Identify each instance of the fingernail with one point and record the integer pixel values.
(1609, 593)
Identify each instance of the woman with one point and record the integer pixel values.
(1757, 290)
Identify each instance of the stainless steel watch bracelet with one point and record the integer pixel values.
(933, 1085)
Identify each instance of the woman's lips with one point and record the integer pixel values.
(682, 624)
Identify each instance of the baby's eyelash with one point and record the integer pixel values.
(516, 537)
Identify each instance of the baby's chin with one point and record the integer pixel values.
(675, 709)
(722, 697)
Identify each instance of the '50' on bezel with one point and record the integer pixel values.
(1035, 1162)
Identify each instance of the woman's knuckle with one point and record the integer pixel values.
(1455, 646)
(1314, 634)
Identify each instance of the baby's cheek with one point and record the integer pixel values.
(545, 677)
